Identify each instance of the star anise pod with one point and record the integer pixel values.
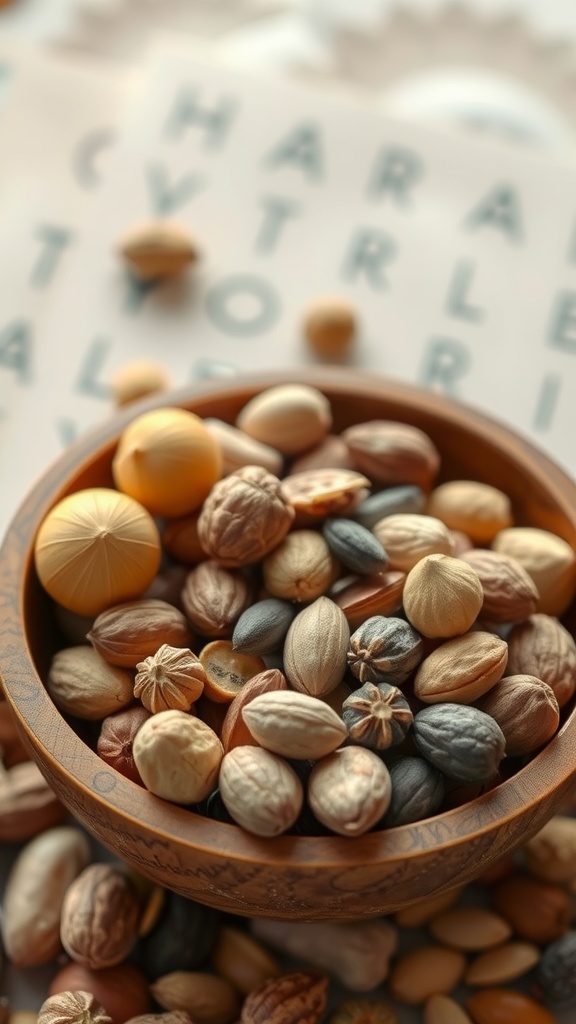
(173, 678)
(377, 716)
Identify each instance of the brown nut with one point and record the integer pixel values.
(129, 632)
(349, 791)
(100, 915)
(235, 732)
(315, 649)
(424, 972)
(242, 960)
(329, 327)
(123, 990)
(82, 684)
(244, 517)
(393, 453)
(407, 537)
(28, 805)
(72, 1008)
(178, 756)
(214, 598)
(227, 671)
(360, 599)
(301, 568)
(462, 669)
(317, 493)
(526, 710)
(300, 997)
(509, 593)
(548, 559)
(551, 853)
(477, 509)
(208, 999)
(116, 738)
(538, 911)
(503, 1004)
(158, 249)
(542, 647)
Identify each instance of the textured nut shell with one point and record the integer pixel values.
(214, 598)
(324, 492)
(294, 725)
(462, 741)
(72, 1008)
(442, 596)
(356, 954)
(260, 790)
(477, 509)
(462, 669)
(542, 647)
(298, 998)
(167, 460)
(207, 998)
(290, 417)
(393, 453)
(95, 548)
(510, 594)
(501, 965)
(168, 1017)
(81, 683)
(178, 756)
(315, 648)
(424, 972)
(538, 910)
(157, 249)
(235, 732)
(173, 678)
(27, 803)
(34, 893)
(407, 537)
(384, 650)
(129, 632)
(526, 710)
(122, 990)
(503, 1004)
(238, 449)
(301, 568)
(244, 517)
(548, 559)
(100, 914)
(349, 790)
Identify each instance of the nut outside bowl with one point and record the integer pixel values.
(291, 877)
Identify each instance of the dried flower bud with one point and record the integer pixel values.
(171, 678)
(72, 1008)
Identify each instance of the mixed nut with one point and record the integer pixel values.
(341, 640)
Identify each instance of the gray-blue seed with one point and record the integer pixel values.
(556, 972)
(262, 628)
(462, 741)
(355, 546)
(406, 498)
(417, 791)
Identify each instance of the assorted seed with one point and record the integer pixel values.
(333, 613)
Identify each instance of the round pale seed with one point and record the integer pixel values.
(470, 928)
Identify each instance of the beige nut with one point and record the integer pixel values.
(82, 684)
(242, 960)
(178, 756)
(349, 791)
(294, 725)
(502, 965)
(301, 568)
(356, 954)
(315, 648)
(442, 596)
(136, 380)
(407, 537)
(548, 559)
(206, 998)
(542, 647)
(551, 853)
(462, 669)
(289, 417)
(35, 891)
(238, 449)
(470, 928)
(329, 327)
(100, 915)
(426, 971)
(260, 790)
(477, 509)
(244, 517)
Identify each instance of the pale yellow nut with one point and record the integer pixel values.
(158, 249)
(442, 596)
(329, 327)
(137, 380)
(476, 509)
(548, 559)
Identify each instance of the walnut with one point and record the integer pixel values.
(171, 678)
(100, 917)
(72, 1008)
(244, 517)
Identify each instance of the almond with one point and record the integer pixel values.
(294, 725)
(315, 649)
(461, 670)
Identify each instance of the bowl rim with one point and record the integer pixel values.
(62, 752)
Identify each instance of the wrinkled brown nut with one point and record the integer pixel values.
(300, 997)
(131, 631)
(115, 741)
(214, 598)
(100, 915)
(171, 678)
(393, 453)
(72, 1008)
(526, 710)
(510, 594)
(244, 517)
(542, 647)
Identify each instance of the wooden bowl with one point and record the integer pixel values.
(291, 876)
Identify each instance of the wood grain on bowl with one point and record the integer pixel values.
(328, 877)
